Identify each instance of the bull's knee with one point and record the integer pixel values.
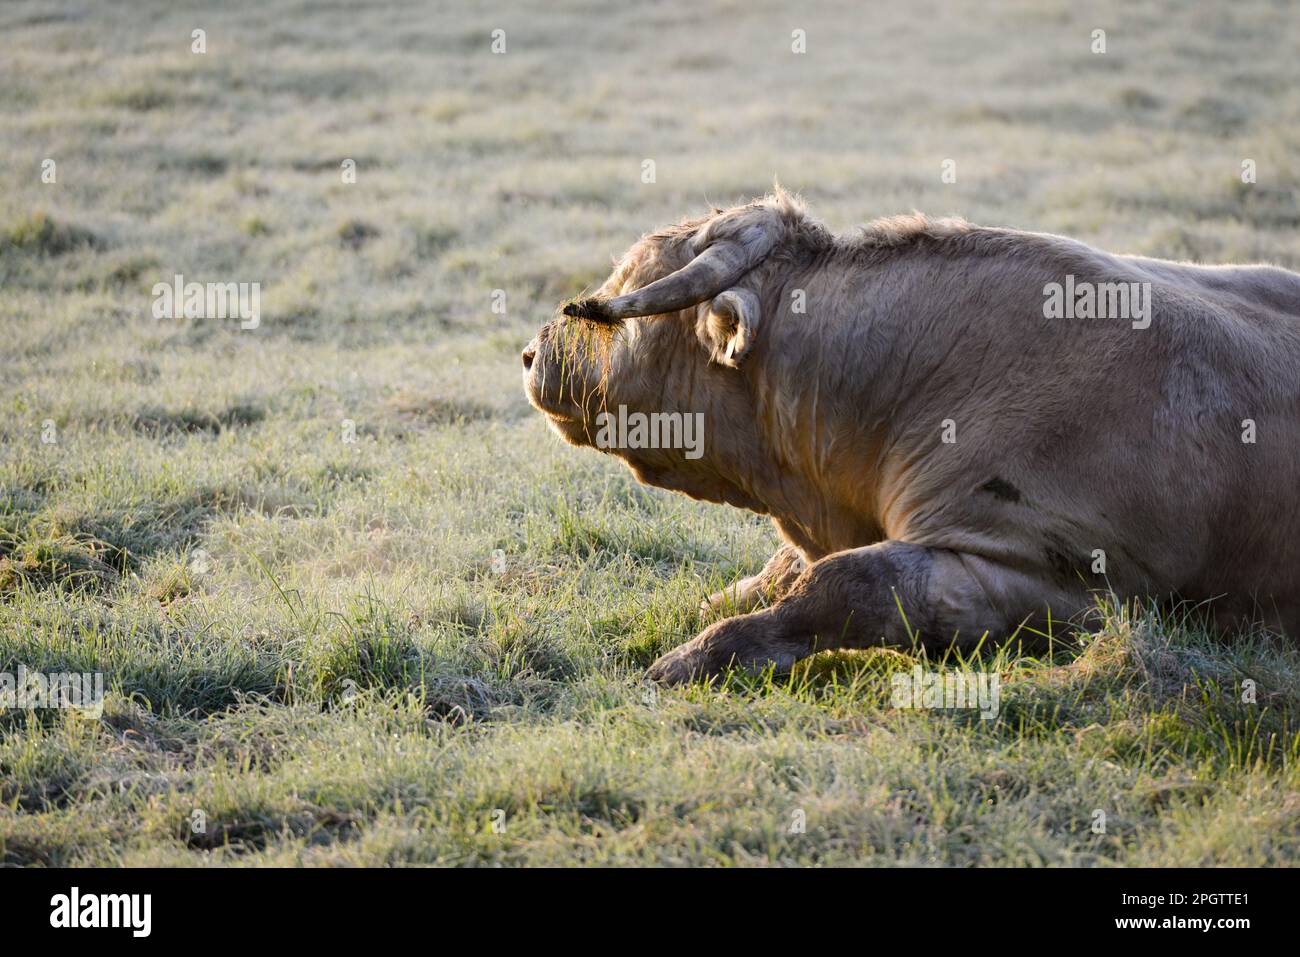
(894, 593)
(901, 594)
(861, 597)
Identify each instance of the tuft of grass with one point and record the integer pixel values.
(144, 98)
(157, 421)
(41, 235)
(355, 233)
(56, 560)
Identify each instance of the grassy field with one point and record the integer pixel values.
(355, 604)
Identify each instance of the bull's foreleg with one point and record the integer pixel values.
(887, 594)
(768, 585)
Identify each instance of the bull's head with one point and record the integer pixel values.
(666, 333)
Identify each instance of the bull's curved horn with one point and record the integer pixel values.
(717, 268)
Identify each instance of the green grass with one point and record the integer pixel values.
(307, 640)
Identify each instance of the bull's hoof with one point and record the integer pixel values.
(744, 643)
(716, 604)
(737, 599)
(677, 667)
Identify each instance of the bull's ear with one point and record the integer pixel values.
(729, 326)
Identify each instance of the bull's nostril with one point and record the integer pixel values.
(529, 356)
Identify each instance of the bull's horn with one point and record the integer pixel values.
(717, 268)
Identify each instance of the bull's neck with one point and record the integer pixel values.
(821, 429)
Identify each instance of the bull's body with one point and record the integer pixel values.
(1071, 435)
(924, 436)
